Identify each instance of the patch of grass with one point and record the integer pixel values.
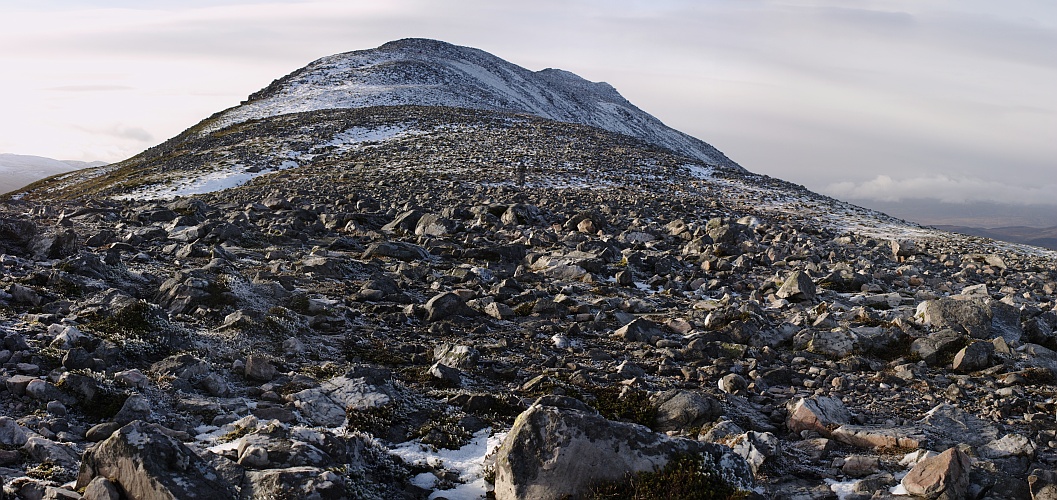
(375, 421)
(443, 432)
(683, 478)
(524, 308)
(132, 321)
(235, 434)
(1038, 376)
(326, 371)
(633, 406)
(48, 471)
(374, 352)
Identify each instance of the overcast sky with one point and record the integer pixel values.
(944, 99)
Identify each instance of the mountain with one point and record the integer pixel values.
(411, 301)
(19, 170)
(421, 72)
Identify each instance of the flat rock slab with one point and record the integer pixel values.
(878, 437)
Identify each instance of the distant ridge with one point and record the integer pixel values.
(19, 170)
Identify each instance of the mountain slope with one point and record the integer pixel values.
(433, 73)
(329, 303)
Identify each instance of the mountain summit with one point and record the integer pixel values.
(423, 72)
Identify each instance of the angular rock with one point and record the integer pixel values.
(937, 347)
(944, 476)
(260, 368)
(973, 357)
(145, 462)
(554, 452)
(681, 409)
(11, 434)
(969, 316)
(797, 287)
(947, 425)
(1043, 484)
(756, 448)
(639, 330)
(1005, 321)
(293, 482)
(444, 305)
(820, 414)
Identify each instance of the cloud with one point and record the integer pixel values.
(119, 131)
(943, 188)
(89, 88)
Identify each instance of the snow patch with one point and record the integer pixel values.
(700, 172)
(468, 462)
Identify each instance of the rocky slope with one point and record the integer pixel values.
(389, 287)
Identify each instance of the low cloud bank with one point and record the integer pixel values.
(943, 188)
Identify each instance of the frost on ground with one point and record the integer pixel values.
(468, 462)
(238, 175)
(233, 176)
(700, 172)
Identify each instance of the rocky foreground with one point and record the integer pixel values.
(580, 314)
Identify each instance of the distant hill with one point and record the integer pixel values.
(19, 170)
(1040, 237)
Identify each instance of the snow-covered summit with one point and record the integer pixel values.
(434, 73)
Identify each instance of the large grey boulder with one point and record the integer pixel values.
(293, 482)
(557, 452)
(947, 425)
(11, 433)
(937, 347)
(680, 409)
(362, 388)
(145, 462)
(444, 305)
(1005, 321)
(969, 316)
